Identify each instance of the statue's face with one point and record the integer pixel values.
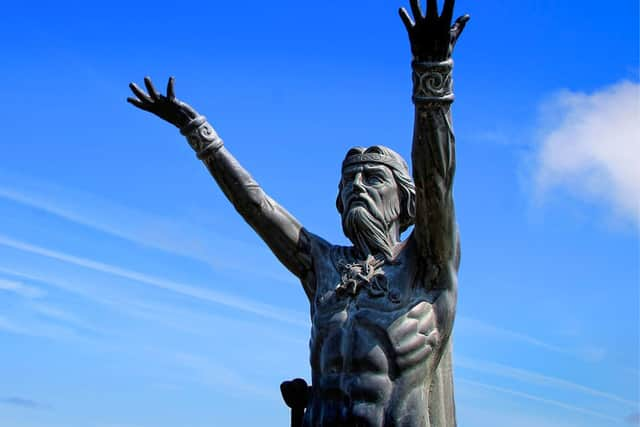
(372, 186)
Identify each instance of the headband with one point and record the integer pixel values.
(382, 159)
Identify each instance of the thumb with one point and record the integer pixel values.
(458, 27)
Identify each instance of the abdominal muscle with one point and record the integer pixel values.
(357, 377)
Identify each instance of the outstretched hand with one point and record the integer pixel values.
(167, 107)
(432, 36)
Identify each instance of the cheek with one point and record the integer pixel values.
(344, 194)
(389, 197)
(390, 203)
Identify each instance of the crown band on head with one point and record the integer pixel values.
(373, 158)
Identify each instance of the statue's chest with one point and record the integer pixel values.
(372, 284)
(362, 312)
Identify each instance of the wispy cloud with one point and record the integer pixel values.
(41, 330)
(590, 146)
(184, 320)
(208, 372)
(197, 323)
(23, 402)
(183, 238)
(475, 413)
(34, 295)
(478, 326)
(228, 300)
(20, 289)
(9, 326)
(66, 318)
(56, 313)
(539, 399)
(530, 377)
(205, 370)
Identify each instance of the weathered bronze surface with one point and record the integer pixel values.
(382, 310)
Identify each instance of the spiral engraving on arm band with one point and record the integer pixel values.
(202, 137)
(432, 81)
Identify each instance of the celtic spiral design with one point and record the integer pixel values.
(432, 81)
(202, 138)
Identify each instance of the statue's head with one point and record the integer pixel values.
(376, 198)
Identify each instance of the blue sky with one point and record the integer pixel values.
(131, 293)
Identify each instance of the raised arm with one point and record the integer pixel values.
(277, 227)
(432, 40)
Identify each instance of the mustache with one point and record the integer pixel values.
(368, 204)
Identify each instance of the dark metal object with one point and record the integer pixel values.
(382, 310)
(296, 395)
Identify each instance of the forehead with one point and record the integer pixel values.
(365, 167)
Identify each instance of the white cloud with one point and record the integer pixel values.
(590, 145)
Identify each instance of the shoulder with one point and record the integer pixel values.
(325, 254)
(323, 259)
(314, 244)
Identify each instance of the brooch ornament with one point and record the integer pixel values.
(366, 274)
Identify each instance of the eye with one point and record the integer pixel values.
(375, 179)
(346, 177)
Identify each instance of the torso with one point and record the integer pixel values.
(372, 347)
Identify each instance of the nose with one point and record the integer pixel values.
(357, 182)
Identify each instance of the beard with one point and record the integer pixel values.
(367, 231)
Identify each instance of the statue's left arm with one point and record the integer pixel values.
(433, 152)
(432, 40)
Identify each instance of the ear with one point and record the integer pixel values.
(339, 204)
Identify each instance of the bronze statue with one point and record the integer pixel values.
(382, 310)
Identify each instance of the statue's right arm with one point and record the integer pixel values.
(284, 235)
(278, 228)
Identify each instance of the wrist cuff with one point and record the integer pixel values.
(432, 81)
(202, 137)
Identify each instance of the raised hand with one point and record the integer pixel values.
(168, 107)
(432, 36)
